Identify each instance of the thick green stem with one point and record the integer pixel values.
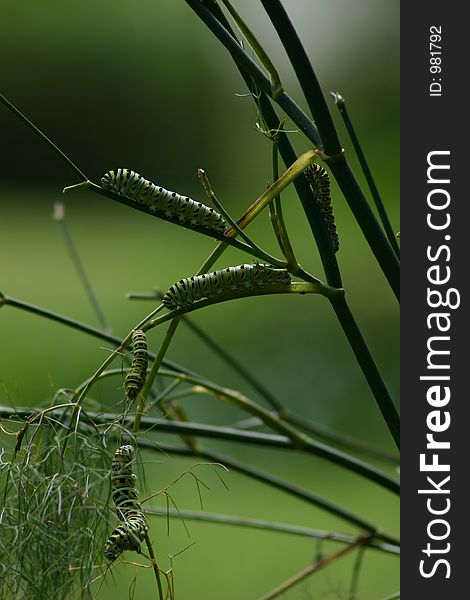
(368, 367)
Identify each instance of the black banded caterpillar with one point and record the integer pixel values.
(136, 375)
(218, 283)
(319, 182)
(176, 208)
(133, 529)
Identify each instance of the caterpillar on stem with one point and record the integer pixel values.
(133, 529)
(210, 285)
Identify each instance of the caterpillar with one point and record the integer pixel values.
(130, 534)
(176, 208)
(319, 182)
(137, 373)
(218, 283)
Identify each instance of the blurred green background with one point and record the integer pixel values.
(144, 85)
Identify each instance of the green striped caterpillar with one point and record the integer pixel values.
(176, 208)
(319, 182)
(136, 375)
(130, 534)
(217, 284)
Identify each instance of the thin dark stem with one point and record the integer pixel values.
(310, 206)
(341, 104)
(42, 135)
(368, 367)
(300, 421)
(289, 157)
(276, 85)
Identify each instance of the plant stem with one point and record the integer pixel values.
(145, 209)
(300, 440)
(342, 439)
(353, 193)
(283, 485)
(222, 519)
(341, 104)
(305, 75)
(368, 367)
(316, 566)
(368, 223)
(299, 492)
(379, 244)
(59, 216)
(292, 172)
(83, 327)
(156, 570)
(246, 63)
(276, 85)
(295, 287)
(260, 252)
(153, 373)
(333, 276)
(248, 437)
(299, 421)
(42, 135)
(233, 362)
(278, 218)
(356, 572)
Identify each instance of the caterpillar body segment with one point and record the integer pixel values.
(319, 182)
(219, 283)
(179, 209)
